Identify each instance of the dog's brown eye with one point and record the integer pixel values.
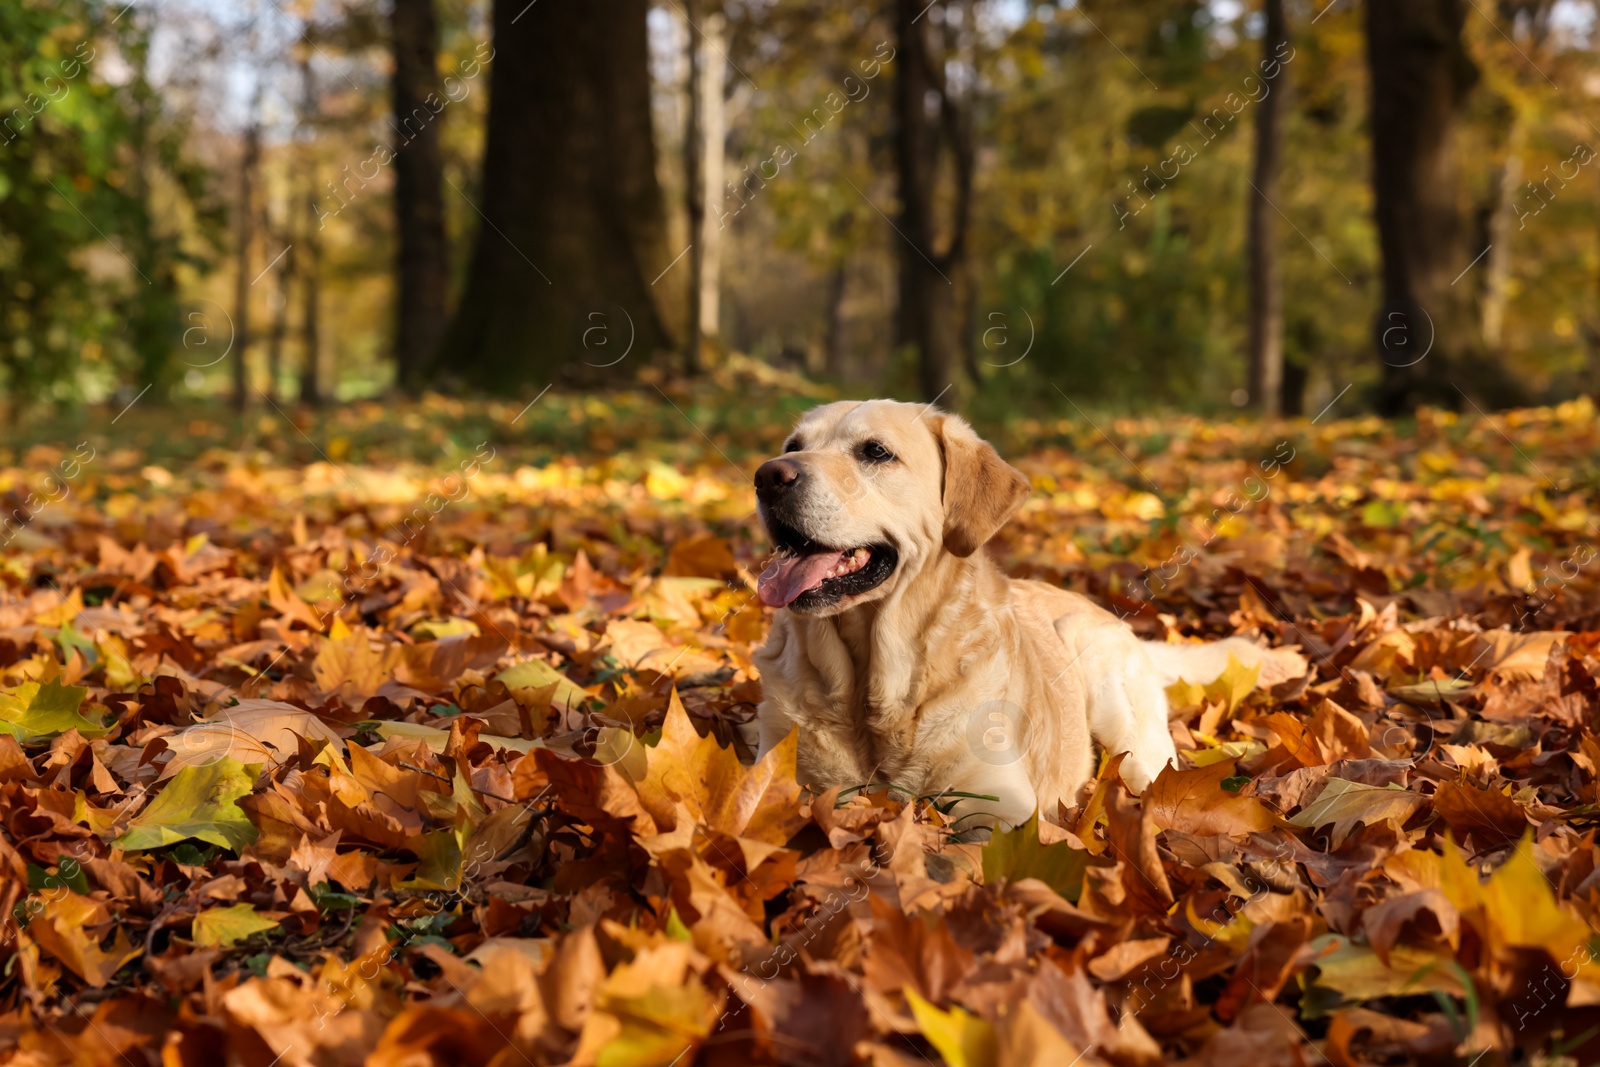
(792, 446)
(873, 452)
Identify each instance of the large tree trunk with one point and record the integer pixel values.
(1427, 333)
(573, 233)
(1266, 281)
(422, 280)
(244, 237)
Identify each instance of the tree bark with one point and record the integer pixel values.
(1266, 280)
(573, 220)
(244, 238)
(694, 191)
(1427, 334)
(422, 280)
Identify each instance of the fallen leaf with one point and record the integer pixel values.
(1194, 802)
(198, 802)
(226, 927)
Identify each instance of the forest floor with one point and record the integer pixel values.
(405, 734)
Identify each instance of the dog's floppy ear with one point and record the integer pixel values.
(981, 490)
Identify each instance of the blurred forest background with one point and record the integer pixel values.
(1006, 204)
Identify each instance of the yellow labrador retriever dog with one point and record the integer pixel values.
(904, 655)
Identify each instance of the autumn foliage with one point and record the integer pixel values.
(313, 759)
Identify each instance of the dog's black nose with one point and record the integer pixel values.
(775, 476)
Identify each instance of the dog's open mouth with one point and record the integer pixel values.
(807, 575)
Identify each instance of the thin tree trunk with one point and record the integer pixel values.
(244, 238)
(282, 298)
(311, 294)
(694, 197)
(1498, 233)
(833, 347)
(1266, 281)
(575, 229)
(1292, 393)
(310, 327)
(714, 117)
(422, 280)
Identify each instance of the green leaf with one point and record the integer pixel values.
(69, 638)
(199, 802)
(69, 873)
(228, 926)
(32, 711)
(1018, 854)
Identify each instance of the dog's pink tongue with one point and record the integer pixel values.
(788, 577)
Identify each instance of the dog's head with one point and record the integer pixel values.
(867, 491)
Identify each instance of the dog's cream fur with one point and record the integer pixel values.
(948, 676)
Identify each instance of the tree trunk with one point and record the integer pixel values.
(833, 347)
(561, 280)
(154, 315)
(1426, 335)
(1498, 230)
(1292, 391)
(310, 327)
(914, 159)
(281, 299)
(714, 122)
(694, 192)
(422, 280)
(244, 237)
(927, 308)
(1266, 281)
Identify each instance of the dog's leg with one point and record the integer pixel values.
(1126, 702)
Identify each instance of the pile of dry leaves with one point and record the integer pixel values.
(392, 764)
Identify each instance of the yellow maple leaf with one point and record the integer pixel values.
(710, 784)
